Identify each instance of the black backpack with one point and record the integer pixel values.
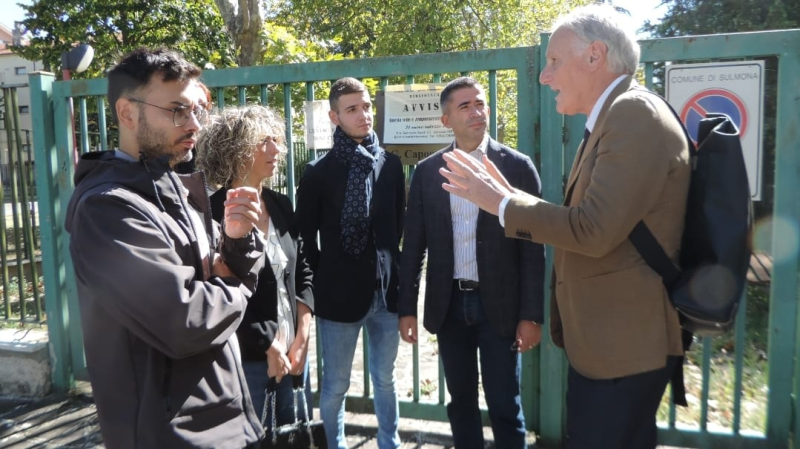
(715, 249)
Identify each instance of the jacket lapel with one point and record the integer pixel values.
(441, 199)
(281, 224)
(594, 138)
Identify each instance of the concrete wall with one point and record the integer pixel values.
(24, 363)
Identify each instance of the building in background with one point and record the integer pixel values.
(14, 72)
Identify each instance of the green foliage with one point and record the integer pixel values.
(406, 27)
(693, 17)
(282, 46)
(403, 27)
(192, 27)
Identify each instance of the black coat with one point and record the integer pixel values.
(345, 285)
(261, 316)
(510, 271)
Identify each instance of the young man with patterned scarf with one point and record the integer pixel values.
(354, 198)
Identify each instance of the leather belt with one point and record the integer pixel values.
(466, 285)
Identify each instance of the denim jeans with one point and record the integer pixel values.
(255, 372)
(338, 347)
(466, 331)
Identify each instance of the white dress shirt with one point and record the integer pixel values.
(465, 226)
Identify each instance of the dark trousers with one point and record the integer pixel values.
(615, 413)
(465, 332)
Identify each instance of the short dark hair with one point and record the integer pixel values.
(456, 84)
(135, 70)
(344, 86)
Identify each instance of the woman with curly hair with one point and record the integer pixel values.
(242, 147)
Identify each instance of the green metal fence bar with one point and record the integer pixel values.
(287, 112)
(101, 123)
(84, 123)
(310, 97)
(493, 103)
(3, 240)
(741, 320)
(706, 380)
(27, 225)
(16, 205)
(786, 270)
(242, 95)
(552, 424)
(50, 182)
(484, 60)
(264, 94)
(63, 93)
(220, 92)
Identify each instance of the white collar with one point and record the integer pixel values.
(481, 147)
(590, 121)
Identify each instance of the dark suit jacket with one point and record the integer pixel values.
(345, 286)
(510, 271)
(260, 322)
(611, 312)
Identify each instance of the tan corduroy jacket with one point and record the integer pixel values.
(610, 311)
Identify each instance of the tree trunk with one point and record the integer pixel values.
(243, 22)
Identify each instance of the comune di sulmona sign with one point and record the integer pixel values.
(732, 88)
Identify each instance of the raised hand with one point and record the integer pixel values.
(242, 208)
(485, 187)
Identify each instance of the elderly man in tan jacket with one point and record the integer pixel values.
(610, 311)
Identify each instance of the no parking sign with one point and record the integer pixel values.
(732, 88)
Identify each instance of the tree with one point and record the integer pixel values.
(244, 24)
(404, 27)
(193, 27)
(694, 17)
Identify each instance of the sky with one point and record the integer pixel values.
(641, 10)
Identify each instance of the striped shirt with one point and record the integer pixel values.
(465, 224)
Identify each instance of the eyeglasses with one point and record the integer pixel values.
(181, 114)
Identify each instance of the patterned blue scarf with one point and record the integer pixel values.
(360, 159)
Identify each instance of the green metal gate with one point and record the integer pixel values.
(545, 135)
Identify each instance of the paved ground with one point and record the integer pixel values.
(71, 422)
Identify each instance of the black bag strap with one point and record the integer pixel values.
(653, 254)
(299, 399)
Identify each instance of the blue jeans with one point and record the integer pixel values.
(465, 332)
(255, 372)
(338, 347)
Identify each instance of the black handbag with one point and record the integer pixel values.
(302, 434)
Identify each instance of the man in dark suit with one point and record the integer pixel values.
(354, 197)
(483, 291)
(610, 312)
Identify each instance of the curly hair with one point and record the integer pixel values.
(227, 145)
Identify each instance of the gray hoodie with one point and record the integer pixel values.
(160, 341)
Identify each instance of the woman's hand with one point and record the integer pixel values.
(278, 364)
(299, 349)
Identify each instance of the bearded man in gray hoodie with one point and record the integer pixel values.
(161, 291)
